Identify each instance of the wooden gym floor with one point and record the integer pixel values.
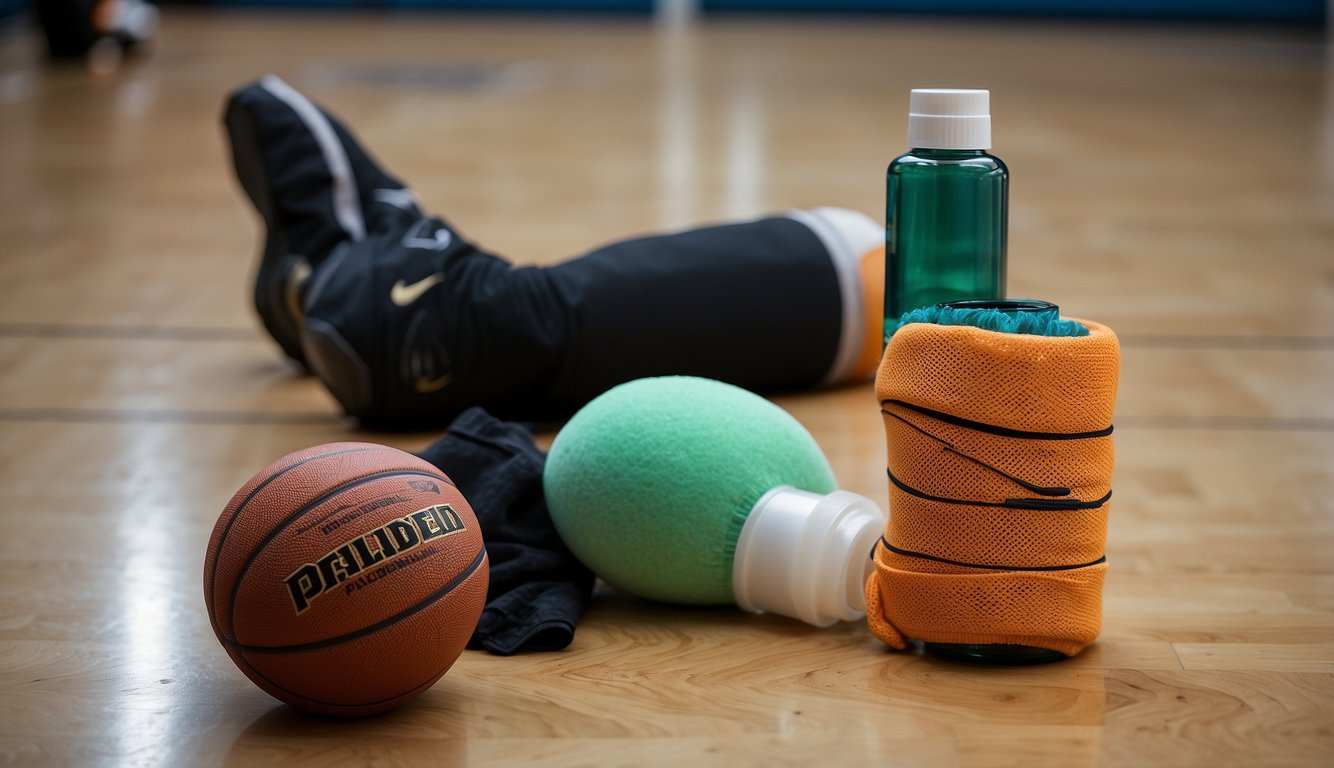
(1174, 181)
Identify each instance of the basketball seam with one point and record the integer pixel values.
(259, 547)
(222, 539)
(241, 650)
(411, 610)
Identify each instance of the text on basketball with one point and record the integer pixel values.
(356, 555)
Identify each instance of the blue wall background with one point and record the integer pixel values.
(1300, 11)
(1270, 10)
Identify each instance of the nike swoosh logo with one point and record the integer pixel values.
(403, 294)
(425, 385)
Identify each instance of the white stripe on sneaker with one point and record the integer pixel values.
(847, 235)
(347, 208)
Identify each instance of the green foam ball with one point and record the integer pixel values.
(650, 483)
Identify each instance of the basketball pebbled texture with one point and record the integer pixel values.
(650, 483)
(346, 578)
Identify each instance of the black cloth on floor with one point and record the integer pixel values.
(538, 587)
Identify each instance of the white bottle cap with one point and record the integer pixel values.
(949, 118)
(806, 556)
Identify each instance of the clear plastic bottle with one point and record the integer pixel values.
(947, 206)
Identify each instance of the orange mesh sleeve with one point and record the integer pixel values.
(1000, 463)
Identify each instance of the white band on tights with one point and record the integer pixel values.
(847, 235)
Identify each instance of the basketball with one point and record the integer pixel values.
(346, 578)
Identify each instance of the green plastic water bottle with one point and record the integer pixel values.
(947, 204)
(947, 207)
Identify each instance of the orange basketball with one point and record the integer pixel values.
(345, 579)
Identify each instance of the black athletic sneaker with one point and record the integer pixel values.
(353, 280)
(316, 189)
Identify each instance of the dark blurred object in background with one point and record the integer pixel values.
(99, 29)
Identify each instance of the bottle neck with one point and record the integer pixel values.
(946, 154)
